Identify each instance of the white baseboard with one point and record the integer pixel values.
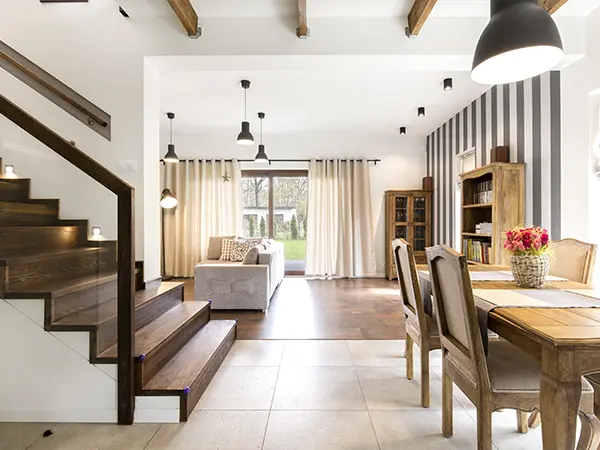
(56, 415)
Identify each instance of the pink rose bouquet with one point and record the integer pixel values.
(527, 241)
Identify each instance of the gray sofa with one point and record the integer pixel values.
(233, 285)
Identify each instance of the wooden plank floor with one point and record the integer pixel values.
(319, 309)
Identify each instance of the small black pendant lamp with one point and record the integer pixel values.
(245, 137)
(261, 155)
(171, 156)
(520, 41)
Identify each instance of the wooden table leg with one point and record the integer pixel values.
(560, 395)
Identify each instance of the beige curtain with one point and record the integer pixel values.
(210, 204)
(340, 220)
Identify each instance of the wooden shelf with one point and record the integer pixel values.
(475, 262)
(477, 235)
(479, 205)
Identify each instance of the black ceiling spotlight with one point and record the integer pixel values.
(520, 41)
(448, 84)
(421, 111)
(261, 155)
(402, 131)
(171, 156)
(245, 137)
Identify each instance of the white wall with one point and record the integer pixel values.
(580, 190)
(402, 163)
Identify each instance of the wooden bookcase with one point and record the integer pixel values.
(407, 216)
(503, 207)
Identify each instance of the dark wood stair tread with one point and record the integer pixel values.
(185, 367)
(61, 286)
(108, 310)
(45, 256)
(160, 329)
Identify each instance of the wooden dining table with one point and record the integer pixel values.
(566, 343)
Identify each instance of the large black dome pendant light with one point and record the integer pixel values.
(171, 156)
(245, 137)
(261, 155)
(520, 41)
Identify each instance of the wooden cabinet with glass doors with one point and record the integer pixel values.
(408, 216)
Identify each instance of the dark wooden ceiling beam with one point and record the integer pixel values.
(187, 16)
(552, 5)
(302, 31)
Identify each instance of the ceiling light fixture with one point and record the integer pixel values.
(402, 131)
(520, 41)
(448, 84)
(261, 155)
(167, 199)
(421, 111)
(245, 137)
(171, 156)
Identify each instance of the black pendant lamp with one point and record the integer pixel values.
(520, 41)
(261, 155)
(245, 137)
(171, 156)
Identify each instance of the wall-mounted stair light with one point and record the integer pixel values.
(9, 171)
(96, 231)
(245, 137)
(520, 41)
(261, 155)
(171, 156)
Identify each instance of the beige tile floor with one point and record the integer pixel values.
(307, 395)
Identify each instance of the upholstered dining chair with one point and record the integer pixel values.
(421, 329)
(572, 259)
(507, 378)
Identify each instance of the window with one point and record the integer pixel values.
(464, 162)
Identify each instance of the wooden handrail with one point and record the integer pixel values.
(125, 243)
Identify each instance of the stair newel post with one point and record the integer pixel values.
(125, 306)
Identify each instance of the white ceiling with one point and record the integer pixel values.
(335, 8)
(374, 99)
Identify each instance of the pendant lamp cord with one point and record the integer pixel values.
(171, 130)
(261, 121)
(245, 106)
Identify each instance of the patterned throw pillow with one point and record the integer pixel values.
(240, 248)
(226, 249)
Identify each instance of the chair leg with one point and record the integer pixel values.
(409, 357)
(589, 438)
(425, 376)
(535, 419)
(522, 425)
(447, 403)
(484, 428)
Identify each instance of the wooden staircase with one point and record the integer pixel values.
(178, 348)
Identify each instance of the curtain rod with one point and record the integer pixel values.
(374, 161)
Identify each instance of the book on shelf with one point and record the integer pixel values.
(483, 193)
(477, 251)
(483, 228)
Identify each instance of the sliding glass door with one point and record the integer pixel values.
(275, 206)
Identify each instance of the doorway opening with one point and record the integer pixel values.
(275, 206)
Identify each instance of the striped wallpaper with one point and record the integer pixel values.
(526, 116)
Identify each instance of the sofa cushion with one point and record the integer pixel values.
(251, 256)
(227, 249)
(214, 246)
(239, 250)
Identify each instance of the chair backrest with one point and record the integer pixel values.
(456, 313)
(408, 282)
(572, 259)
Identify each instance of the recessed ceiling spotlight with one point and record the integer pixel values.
(448, 84)
(421, 111)
(402, 131)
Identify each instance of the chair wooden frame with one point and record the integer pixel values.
(590, 258)
(466, 366)
(418, 324)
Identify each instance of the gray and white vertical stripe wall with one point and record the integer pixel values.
(526, 116)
